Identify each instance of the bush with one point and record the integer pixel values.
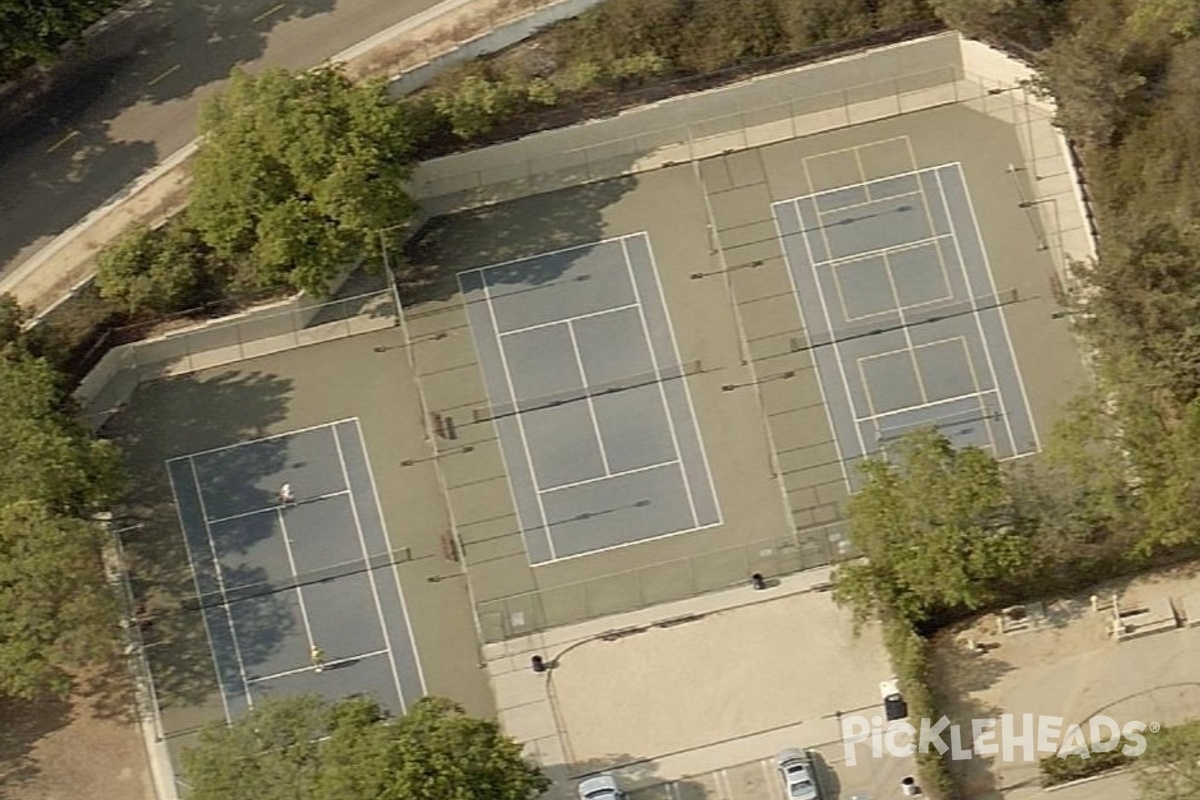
(160, 271)
(1062, 769)
(476, 104)
(634, 68)
(910, 660)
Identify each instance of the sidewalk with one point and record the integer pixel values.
(50, 276)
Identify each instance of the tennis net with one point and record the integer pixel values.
(626, 383)
(921, 315)
(246, 591)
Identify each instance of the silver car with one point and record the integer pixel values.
(600, 787)
(795, 768)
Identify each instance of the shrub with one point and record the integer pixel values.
(1057, 769)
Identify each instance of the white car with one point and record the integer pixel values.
(600, 787)
(795, 768)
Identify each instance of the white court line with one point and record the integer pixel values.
(863, 146)
(327, 665)
(512, 393)
(212, 546)
(934, 404)
(907, 173)
(687, 392)
(1000, 312)
(551, 324)
(862, 173)
(987, 349)
(876, 201)
(591, 406)
(536, 256)
(585, 481)
(862, 377)
(880, 251)
(975, 380)
(287, 546)
(395, 573)
(632, 543)
(296, 432)
(662, 394)
(265, 509)
(199, 594)
(887, 266)
(366, 554)
(914, 347)
(837, 446)
(862, 447)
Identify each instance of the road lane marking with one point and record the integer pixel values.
(62, 141)
(173, 69)
(268, 12)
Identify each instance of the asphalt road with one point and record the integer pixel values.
(131, 97)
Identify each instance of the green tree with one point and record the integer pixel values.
(474, 104)
(298, 171)
(48, 456)
(36, 31)
(935, 525)
(56, 610)
(1098, 77)
(1170, 767)
(155, 270)
(302, 748)
(1030, 22)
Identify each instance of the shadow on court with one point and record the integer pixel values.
(170, 418)
(512, 230)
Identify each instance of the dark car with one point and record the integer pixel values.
(894, 706)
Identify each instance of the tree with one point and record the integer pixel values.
(155, 270)
(1170, 767)
(1030, 22)
(48, 456)
(303, 748)
(35, 31)
(56, 610)
(298, 171)
(1098, 77)
(936, 528)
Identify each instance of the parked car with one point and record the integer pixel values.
(796, 770)
(600, 787)
(894, 705)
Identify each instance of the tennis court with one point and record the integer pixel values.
(589, 398)
(902, 313)
(321, 564)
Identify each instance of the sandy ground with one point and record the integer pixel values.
(1071, 667)
(87, 746)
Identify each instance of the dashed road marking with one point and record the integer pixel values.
(268, 12)
(173, 69)
(62, 141)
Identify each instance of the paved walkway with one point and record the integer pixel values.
(49, 277)
(698, 694)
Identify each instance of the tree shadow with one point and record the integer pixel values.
(25, 722)
(165, 419)
(639, 778)
(517, 229)
(77, 133)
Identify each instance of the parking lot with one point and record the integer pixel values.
(691, 700)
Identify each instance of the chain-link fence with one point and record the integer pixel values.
(145, 693)
(282, 326)
(663, 582)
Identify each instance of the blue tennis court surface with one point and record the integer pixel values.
(589, 398)
(902, 314)
(274, 581)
